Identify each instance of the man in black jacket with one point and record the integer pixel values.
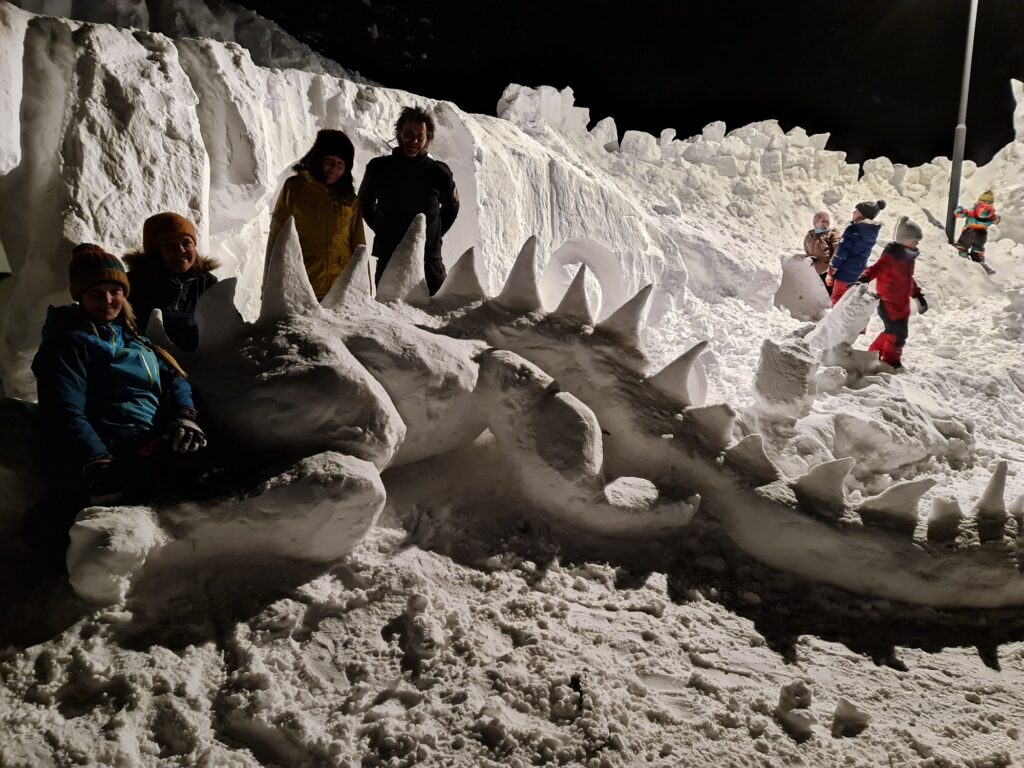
(398, 186)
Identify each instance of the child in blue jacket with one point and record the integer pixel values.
(851, 257)
(107, 396)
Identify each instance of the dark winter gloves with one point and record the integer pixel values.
(922, 303)
(103, 483)
(184, 433)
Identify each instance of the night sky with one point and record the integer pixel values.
(882, 77)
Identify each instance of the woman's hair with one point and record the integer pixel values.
(331, 142)
(415, 114)
(129, 321)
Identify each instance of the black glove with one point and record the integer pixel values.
(185, 434)
(103, 482)
(922, 304)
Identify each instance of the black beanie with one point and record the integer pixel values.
(869, 210)
(333, 142)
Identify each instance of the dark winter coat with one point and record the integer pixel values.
(894, 273)
(852, 255)
(153, 286)
(395, 188)
(821, 246)
(99, 385)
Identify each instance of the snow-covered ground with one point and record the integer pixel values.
(470, 627)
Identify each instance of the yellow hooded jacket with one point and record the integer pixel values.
(329, 228)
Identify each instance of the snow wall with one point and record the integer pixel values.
(102, 126)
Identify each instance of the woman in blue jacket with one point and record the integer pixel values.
(851, 257)
(109, 398)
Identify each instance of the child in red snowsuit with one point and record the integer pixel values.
(894, 273)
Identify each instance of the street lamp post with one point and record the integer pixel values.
(961, 128)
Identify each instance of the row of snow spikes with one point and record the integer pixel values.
(822, 488)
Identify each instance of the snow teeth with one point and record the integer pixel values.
(462, 286)
(156, 333)
(714, 423)
(749, 457)
(990, 511)
(521, 292)
(896, 506)
(354, 284)
(403, 279)
(673, 380)
(626, 322)
(944, 520)
(1016, 509)
(823, 486)
(574, 305)
(216, 315)
(286, 288)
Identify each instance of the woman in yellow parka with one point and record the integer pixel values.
(321, 197)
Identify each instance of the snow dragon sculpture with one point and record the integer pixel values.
(361, 384)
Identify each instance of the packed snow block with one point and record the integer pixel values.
(793, 711)
(700, 152)
(890, 438)
(785, 384)
(1017, 89)
(527, 106)
(129, 91)
(13, 23)
(606, 134)
(845, 321)
(798, 137)
(714, 132)
(801, 293)
(641, 145)
(879, 169)
(848, 719)
(771, 162)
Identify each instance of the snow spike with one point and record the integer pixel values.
(714, 423)
(574, 306)
(155, 331)
(521, 292)
(749, 457)
(216, 315)
(944, 520)
(462, 286)
(286, 288)
(896, 506)
(1016, 509)
(354, 284)
(626, 322)
(990, 511)
(403, 279)
(673, 379)
(823, 486)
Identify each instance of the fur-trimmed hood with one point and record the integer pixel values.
(142, 261)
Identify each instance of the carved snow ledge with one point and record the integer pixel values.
(896, 506)
(403, 279)
(748, 457)
(673, 379)
(462, 286)
(286, 289)
(823, 487)
(521, 292)
(627, 321)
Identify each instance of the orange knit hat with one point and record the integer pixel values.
(165, 226)
(90, 265)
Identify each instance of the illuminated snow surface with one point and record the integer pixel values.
(487, 618)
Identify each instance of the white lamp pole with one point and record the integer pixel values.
(961, 128)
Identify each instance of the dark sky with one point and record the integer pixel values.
(882, 76)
